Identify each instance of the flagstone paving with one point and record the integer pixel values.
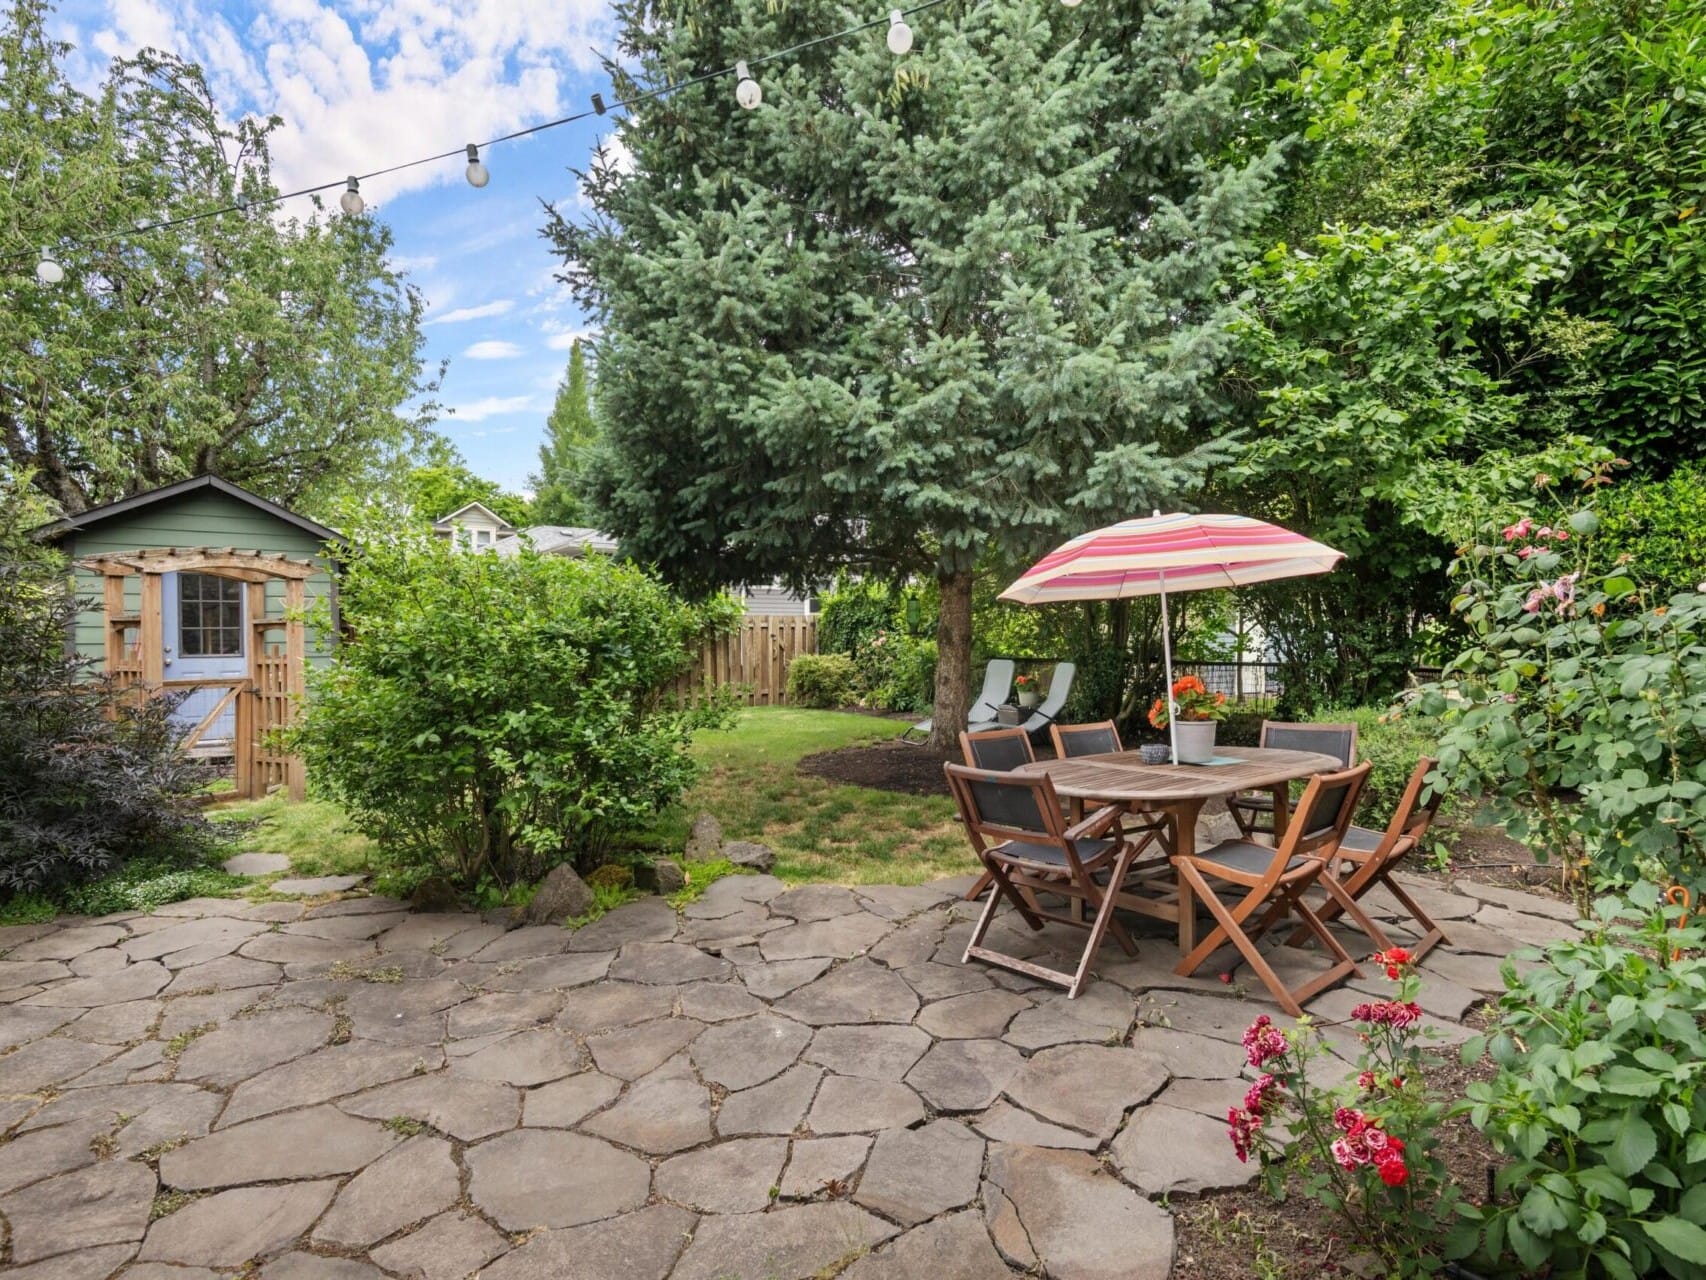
(775, 1084)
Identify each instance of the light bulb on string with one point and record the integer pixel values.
(351, 202)
(1072, 4)
(900, 35)
(478, 174)
(747, 91)
(49, 271)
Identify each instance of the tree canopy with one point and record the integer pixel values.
(570, 433)
(279, 352)
(904, 315)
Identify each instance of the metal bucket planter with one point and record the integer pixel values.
(1194, 740)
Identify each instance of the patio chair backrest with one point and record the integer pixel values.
(997, 807)
(1100, 739)
(1059, 689)
(1324, 812)
(1414, 815)
(997, 749)
(997, 683)
(1336, 740)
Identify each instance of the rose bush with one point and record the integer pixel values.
(1576, 718)
(1367, 1150)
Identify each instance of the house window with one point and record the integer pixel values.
(482, 538)
(210, 616)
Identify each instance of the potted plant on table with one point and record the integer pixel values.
(1198, 711)
(1027, 687)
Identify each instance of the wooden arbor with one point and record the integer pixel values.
(265, 698)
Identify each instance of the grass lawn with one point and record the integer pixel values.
(820, 830)
(314, 834)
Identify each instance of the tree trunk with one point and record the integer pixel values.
(953, 660)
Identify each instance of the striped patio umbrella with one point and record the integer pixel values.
(1170, 553)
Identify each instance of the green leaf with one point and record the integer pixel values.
(1631, 1144)
(1678, 1236)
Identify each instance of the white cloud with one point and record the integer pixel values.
(566, 339)
(361, 84)
(490, 407)
(492, 349)
(481, 312)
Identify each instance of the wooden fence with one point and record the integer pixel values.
(753, 659)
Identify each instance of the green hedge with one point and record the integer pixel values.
(822, 680)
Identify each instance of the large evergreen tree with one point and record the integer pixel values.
(282, 354)
(569, 436)
(910, 312)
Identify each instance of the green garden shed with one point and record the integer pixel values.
(202, 589)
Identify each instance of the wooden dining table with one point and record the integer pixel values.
(1181, 791)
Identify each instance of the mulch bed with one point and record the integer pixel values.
(1237, 1235)
(887, 766)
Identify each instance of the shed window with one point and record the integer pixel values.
(210, 615)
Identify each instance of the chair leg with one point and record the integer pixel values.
(1104, 922)
(1344, 966)
(1433, 936)
(976, 891)
(1229, 929)
(1348, 905)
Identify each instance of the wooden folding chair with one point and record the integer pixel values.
(1103, 738)
(1276, 879)
(1374, 855)
(997, 751)
(1019, 832)
(1253, 811)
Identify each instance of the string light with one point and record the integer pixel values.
(900, 35)
(747, 91)
(351, 202)
(478, 174)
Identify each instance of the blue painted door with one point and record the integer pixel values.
(207, 638)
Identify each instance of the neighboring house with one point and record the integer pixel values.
(569, 540)
(202, 588)
(474, 527)
(559, 540)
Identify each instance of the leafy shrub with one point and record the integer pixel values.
(1366, 1150)
(822, 680)
(852, 613)
(89, 777)
(1575, 718)
(1599, 1103)
(612, 875)
(1657, 525)
(493, 715)
(896, 672)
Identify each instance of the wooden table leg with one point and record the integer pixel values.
(1185, 842)
(1282, 810)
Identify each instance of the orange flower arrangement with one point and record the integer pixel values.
(1193, 700)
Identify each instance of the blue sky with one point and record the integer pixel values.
(362, 84)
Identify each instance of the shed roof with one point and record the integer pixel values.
(56, 529)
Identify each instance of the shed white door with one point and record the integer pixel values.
(207, 638)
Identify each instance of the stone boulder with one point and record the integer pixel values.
(706, 840)
(755, 857)
(562, 894)
(668, 877)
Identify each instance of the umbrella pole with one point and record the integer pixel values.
(1167, 652)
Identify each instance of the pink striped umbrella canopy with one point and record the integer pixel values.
(1169, 553)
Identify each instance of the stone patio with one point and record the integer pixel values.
(777, 1084)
